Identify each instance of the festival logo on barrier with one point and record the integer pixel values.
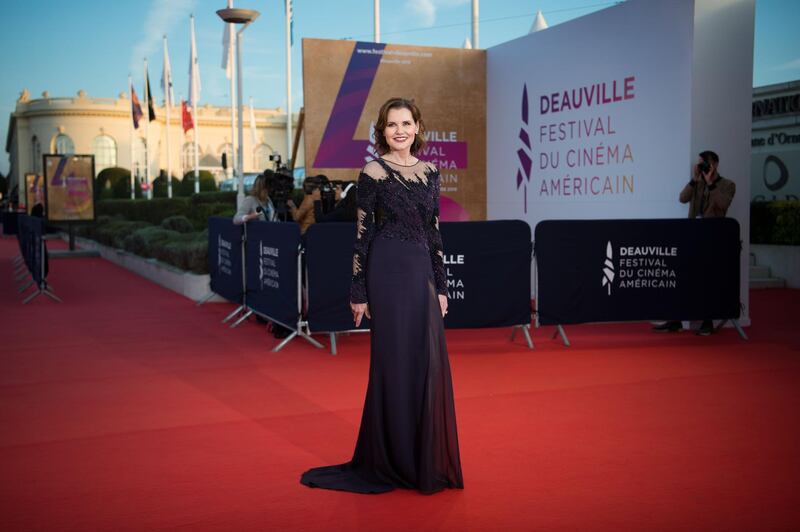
(69, 187)
(641, 267)
(449, 85)
(455, 284)
(224, 247)
(608, 268)
(268, 274)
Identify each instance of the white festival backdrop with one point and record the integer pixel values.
(600, 117)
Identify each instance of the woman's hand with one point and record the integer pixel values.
(359, 310)
(443, 304)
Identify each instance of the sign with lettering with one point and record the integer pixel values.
(69, 187)
(345, 83)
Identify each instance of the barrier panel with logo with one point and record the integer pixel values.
(271, 254)
(629, 270)
(225, 258)
(329, 266)
(487, 265)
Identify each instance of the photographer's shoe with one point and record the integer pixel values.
(668, 326)
(706, 328)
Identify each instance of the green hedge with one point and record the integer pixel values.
(196, 209)
(775, 222)
(186, 188)
(114, 182)
(187, 251)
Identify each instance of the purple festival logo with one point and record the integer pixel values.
(339, 148)
(524, 172)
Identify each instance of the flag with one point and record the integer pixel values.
(136, 108)
(194, 71)
(186, 117)
(227, 47)
(290, 16)
(166, 78)
(151, 111)
(252, 124)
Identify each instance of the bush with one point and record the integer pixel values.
(112, 231)
(228, 197)
(775, 222)
(207, 184)
(114, 182)
(152, 211)
(178, 223)
(187, 251)
(161, 186)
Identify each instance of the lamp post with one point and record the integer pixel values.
(245, 17)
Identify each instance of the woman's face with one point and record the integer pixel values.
(400, 129)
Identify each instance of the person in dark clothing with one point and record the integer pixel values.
(709, 195)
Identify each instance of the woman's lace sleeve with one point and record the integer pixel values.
(435, 240)
(365, 231)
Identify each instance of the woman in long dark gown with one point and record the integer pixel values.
(408, 436)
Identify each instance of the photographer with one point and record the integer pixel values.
(257, 205)
(304, 214)
(344, 208)
(709, 195)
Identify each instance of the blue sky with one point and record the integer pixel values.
(93, 45)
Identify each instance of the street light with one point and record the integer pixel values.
(246, 17)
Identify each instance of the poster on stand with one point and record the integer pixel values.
(69, 187)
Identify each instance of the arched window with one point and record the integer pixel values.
(36, 155)
(63, 144)
(227, 149)
(139, 156)
(105, 152)
(187, 156)
(261, 157)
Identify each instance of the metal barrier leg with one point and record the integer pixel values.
(560, 331)
(525, 331)
(236, 311)
(24, 287)
(333, 343)
(241, 319)
(51, 295)
(736, 326)
(739, 329)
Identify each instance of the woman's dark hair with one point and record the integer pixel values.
(398, 103)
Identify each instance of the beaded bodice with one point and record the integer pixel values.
(402, 202)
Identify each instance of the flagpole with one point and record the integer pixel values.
(229, 71)
(194, 97)
(130, 93)
(147, 135)
(377, 20)
(475, 44)
(168, 103)
(289, 14)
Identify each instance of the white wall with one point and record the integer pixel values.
(722, 97)
(692, 64)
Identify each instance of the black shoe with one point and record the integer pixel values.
(668, 326)
(706, 328)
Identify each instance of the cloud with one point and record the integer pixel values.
(794, 64)
(161, 17)
(425, 10)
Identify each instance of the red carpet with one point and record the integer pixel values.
(128, 408)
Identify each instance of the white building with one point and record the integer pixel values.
(103, 127)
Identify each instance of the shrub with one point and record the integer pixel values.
(114, 182)
(207, 184)
(144, 241)
(161, 186)
(775, 222)
(111, 231)
(178, 223)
